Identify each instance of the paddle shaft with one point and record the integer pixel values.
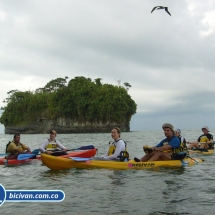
(80, 148)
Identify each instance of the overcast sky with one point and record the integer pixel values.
(168, 60)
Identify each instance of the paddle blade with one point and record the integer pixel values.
(36, 151)
(80, 159)
(3, 155)
(83, 148)
(86, 147)
(25, 156)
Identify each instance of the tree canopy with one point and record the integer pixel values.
(79, 99)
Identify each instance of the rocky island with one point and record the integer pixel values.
(77, 106)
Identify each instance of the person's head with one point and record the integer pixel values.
(16, 138)
(53, 134)
(177, 132)
(115, 133)
(168, 130)
(205, 129)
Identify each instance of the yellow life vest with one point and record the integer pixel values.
(123, 155)
(204, 139)
(181, 148)
(52, 145)
(19, 146)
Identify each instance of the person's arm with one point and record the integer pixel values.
(43, 146)
(211, 141)
(174, 143)
(210, 137)
(12, 148)
(198, 140)
(159, 144)
(163, 148)
(26, 148)
(120, 147)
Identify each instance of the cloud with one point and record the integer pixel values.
(168, 60)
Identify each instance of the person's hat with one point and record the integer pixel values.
(53, 132)
(206, 127)
(178, 130)
(168, 125)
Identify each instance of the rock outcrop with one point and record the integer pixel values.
(64, 126)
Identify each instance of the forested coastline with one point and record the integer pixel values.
(80, 100)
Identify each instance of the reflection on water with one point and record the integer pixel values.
(181, 190)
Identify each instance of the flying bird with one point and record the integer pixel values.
(161, 7)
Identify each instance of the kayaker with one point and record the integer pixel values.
(181, 138)
(15, 147)
(166, 149)
(52, 146)
(205, 141)
(117, 149)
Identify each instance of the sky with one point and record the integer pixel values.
(168, 60)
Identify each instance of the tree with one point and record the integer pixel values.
(81, 100)
(127, 86)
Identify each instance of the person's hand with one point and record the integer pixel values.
(149, 150)
(48, 152)
(65, 150)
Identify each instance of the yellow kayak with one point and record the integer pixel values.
(208, 152)
(57, 163)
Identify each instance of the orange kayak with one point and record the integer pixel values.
(83, 154)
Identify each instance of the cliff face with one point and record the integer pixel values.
(64, 126)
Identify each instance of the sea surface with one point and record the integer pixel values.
(184, 190)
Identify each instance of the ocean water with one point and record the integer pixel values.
(184, 190)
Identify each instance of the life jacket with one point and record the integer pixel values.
(52, 145)
(18, 147)
(203, 138)
(181, 148)
(206, 138)
(182, 141)
(123, 154)
(7, 146)
(178, 156)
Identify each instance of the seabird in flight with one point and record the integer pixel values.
(161, 7)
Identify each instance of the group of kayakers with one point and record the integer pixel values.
(48, 146)
(170, 148)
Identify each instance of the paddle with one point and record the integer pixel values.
(80, 148)
(83, 148)
(27, 156)
(35, 152)
(4, 154)
(193, 159)
(24, 156)
(58, 152)
(80, 159)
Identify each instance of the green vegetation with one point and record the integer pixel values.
(80, 99)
